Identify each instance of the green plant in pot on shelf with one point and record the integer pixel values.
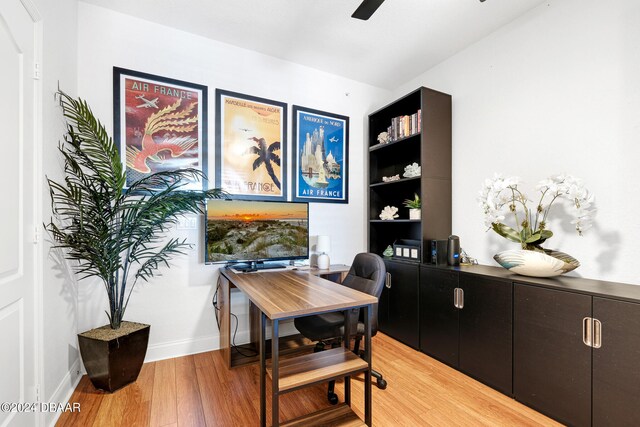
(414, 206)
(115, 234)
(501, 198)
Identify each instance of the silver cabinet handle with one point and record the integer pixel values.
(458, 298)
(388, 284)
(587, 333)
(597, 334)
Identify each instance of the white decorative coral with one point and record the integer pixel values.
(389, 213)
(412, 170)
(383, 137)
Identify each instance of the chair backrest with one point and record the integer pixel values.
(367, 274)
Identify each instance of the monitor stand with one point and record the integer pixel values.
(255, 266)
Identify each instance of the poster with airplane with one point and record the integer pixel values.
(160, 124)
(251, 146)
(320, 161)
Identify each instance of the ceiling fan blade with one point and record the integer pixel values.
(366, 9)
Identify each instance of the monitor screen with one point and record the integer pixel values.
(239, 230)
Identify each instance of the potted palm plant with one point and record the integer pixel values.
(115, 234)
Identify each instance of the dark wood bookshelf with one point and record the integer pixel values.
(431, 149)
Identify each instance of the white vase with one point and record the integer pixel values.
(414, 213)
(536, 264)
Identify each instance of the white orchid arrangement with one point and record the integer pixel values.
(501, 196)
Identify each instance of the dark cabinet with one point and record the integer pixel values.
(552, 363)
(576, 356)
(438, 315)
(465, 321)
(486, 330)
(398, 309)
(616, 363)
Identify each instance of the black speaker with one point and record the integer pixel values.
(453, 250)
(438, 252)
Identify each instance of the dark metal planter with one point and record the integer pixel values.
(114, 363)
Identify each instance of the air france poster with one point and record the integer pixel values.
(160, 124)
(321, 164)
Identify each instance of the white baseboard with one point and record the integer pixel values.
(178, 348)
(168, 350)
(63, 392)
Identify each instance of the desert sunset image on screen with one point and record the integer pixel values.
(245, 230)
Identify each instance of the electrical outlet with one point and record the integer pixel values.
(188, 223)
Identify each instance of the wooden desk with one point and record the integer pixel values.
(245, 354)
(281, 295)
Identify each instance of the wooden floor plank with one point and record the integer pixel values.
(137, 399)
(190, 411)
(164, 402)
(200, 390)
(89, 399)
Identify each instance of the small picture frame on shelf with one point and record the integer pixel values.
(407, 249)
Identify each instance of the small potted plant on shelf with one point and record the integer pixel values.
(115, 234)
(414, 206)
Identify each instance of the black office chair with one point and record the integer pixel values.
(367, 274)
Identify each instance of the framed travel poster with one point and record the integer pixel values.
(160, 124)
(251, 146)
(320, 161)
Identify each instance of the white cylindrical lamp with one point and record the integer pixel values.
(323, 246)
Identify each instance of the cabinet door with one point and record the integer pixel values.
(402, 302)
(438, 316)
(616, 371)
(486, 330)
(551, 364)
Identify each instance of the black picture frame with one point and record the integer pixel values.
(248, 126)
(323, 131)
(181, 139)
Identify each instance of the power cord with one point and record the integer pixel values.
(214, 302)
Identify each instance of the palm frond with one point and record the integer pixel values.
(274, 146)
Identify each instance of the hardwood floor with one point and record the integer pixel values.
(199, 390)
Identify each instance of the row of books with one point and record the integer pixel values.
(404, 126)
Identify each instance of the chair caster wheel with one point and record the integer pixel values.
(381, 383)
(333, 398)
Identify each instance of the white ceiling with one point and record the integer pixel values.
(402, 39)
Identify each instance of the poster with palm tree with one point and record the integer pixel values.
(251, 144)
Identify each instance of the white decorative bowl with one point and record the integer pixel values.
(536, 264)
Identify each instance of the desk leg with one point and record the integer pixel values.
(367, 357)
(347, 344)
(263, 370)
(275, 375)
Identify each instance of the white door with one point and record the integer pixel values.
(17, 211)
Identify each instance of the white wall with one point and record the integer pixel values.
(59, 353)
(557, 90)
(178, 304)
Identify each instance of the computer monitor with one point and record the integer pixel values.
(254, 232)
